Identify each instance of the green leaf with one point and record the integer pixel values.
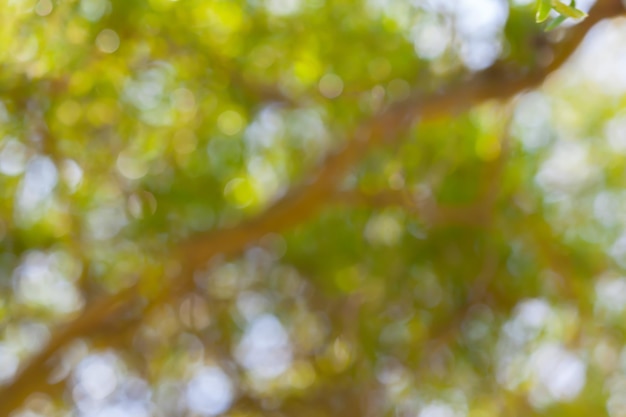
(543, 10)
(569, 11)
(555, 23)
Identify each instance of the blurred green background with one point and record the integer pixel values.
(311, 208)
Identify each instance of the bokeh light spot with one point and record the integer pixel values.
(331, 86)
(96, 378)
(43, 8)
(383, 229)
(108, 41)
(282, 7)
(265, 349)
(240, 192)
(9, 363)
(13, 156)
(131, 166)
(230, 122)
(210, 392)
(93, 10)
(69, 112)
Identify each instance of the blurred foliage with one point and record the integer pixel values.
(470, 266)
(564, 11)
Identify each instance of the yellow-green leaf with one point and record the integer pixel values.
(555, 23)
(568, 11)
(543, 10)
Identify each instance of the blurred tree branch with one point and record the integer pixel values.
(499, 82)
(34, 377)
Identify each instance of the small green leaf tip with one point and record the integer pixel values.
(543, 10)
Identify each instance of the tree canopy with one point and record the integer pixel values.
(312, 208)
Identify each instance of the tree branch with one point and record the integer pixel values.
(34, 377)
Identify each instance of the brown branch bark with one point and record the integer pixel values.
(301, 203)
(35, 375)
